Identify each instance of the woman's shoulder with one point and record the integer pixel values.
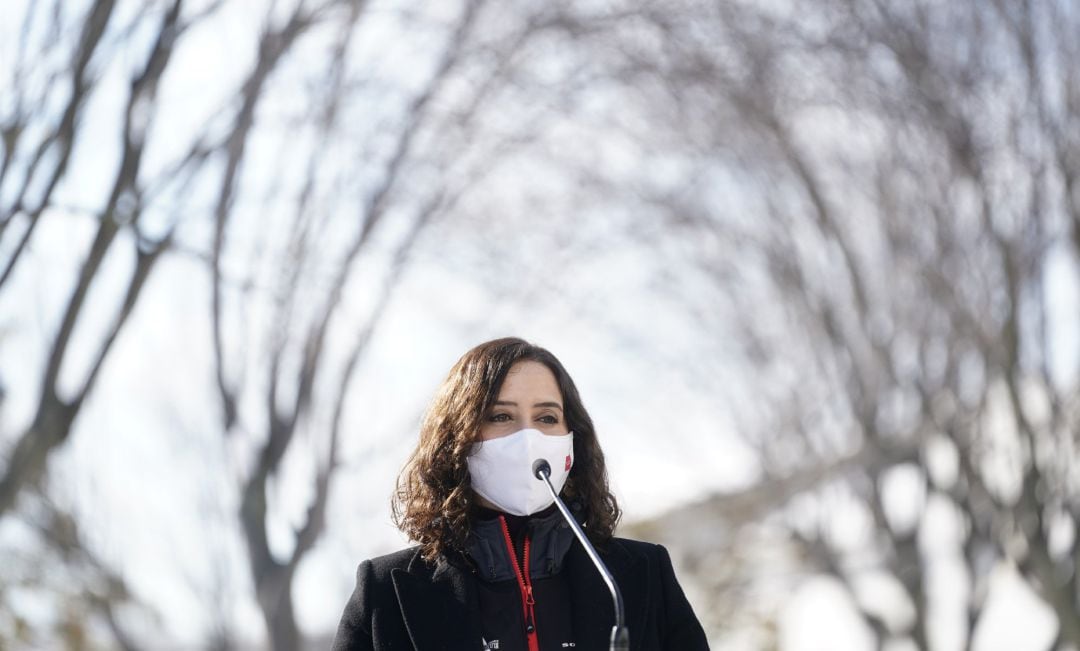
(381, 566)
(400, 558)
(640, 551)
(639, 547)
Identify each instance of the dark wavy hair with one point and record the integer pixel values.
(433, 498)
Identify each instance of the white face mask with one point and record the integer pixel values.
(501, 469)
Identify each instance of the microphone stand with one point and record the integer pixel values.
(620, 634)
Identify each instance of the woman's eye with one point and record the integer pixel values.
(499, 418)
(549, 419)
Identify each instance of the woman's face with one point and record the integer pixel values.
(529, 398)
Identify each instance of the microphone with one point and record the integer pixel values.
(620, 634)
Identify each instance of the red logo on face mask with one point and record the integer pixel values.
(567, 463)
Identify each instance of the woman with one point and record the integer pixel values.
(496, 566)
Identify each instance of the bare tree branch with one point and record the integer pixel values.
(52, 423)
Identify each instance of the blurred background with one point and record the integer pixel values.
(813, 264)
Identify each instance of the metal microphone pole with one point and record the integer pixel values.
(620, 634)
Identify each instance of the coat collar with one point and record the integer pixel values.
(438, 602)
(550, 536)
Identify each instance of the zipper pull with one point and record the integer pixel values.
(529, 603)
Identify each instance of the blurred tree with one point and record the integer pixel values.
(88, 591)
(38, 146)
(325, 220)
(883, 201)
(304, 192)
(56, 70)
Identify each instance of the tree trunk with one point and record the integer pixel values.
(281, 621)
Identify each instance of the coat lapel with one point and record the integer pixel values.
(593, 611)
(437, 605)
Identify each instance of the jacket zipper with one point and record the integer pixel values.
(525, 585)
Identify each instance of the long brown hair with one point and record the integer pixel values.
(433, 498)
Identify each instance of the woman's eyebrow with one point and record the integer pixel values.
(510, 403)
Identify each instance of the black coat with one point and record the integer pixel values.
(403, 603)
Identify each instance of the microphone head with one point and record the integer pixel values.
(541, 468)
